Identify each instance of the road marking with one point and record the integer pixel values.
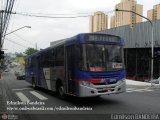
(41, 97)
(129, 91)
(22, 97)
(21, 89)
(148, 90)
(138, 90)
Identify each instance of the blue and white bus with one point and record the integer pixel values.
(86, 65)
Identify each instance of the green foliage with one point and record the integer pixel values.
(20, 60)
(30, 51)
(19, 54)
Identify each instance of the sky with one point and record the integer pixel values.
(45, 30)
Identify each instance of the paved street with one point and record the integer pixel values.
(145, 100)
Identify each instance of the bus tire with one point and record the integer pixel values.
(97, 96)
(61, 91)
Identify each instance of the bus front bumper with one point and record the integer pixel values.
(97, 90)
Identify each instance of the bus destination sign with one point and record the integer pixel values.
(101, 38)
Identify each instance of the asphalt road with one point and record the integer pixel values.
(133, 101)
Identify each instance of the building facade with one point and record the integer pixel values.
(98, 22)
(112, 22)
(126, 18)
(154, 14)
(137, 50)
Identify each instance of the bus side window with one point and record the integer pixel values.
(52, 58)
(41, 61)
(26, 63)
(46, 60)
(29, 62)
(59, 56)
(38, 58)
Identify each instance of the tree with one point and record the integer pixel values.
(30, 51)
(19, 54)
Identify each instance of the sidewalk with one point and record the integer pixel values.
(5, 95)
(2, 97)
(141, 85)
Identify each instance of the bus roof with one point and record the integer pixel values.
(67, 40)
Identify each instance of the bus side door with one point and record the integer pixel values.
(37, 64)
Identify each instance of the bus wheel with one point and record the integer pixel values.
(61, 91)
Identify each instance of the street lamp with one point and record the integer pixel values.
(152, 43)
(1, 43)
(17, 30)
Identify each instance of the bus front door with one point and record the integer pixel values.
(70, 69)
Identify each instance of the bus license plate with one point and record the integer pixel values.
(117, 65)
(106, 88)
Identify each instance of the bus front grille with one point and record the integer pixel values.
(99, 83)
(105, 76)
(105, 83)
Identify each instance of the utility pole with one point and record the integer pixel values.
(1, 28)
(1, 33)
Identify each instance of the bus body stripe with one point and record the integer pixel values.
(98, 80)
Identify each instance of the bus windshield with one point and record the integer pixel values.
(99, 58)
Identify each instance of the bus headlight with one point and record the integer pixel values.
(122, 81)
(85, 83)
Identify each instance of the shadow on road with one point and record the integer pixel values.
(92, 101)
(87, 101)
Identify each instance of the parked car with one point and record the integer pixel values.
(6, 70)
(16, 73)
(155, 81)
(20, 76)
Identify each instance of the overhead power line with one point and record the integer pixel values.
(55, 15)
(25, 40)
(16, 43)
(46, 16)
